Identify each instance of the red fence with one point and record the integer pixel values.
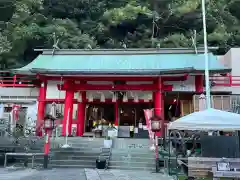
(15, 81)
(19, 81)
(227, 81)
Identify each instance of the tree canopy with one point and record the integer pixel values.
(29, 24)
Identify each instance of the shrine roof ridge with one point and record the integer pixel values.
(137, 51)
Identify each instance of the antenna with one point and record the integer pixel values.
(55, 43)
(194, 40)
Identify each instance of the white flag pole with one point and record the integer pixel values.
(207, 82)
(66, 145)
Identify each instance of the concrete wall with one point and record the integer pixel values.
(234, 57)
(232, 60)
(20, 92)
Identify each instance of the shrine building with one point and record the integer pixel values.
(116, 85)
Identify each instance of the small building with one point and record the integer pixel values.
(115, 85)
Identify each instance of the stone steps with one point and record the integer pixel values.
(132, 163)
(83, 157)
(71, 166)
(74, 162)
(132, 154)
(82, 153)
(136, 159)
(76, 150)
(133, 168)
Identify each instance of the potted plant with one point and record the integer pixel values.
(108, 142)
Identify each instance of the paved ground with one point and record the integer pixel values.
(78, 174)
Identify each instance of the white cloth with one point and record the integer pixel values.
(210, 119)
(1, 111)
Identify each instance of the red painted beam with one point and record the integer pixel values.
(175, 78)
(104, 78)
(97, 101)
(98, 78)
(17, 85)
(133, 87)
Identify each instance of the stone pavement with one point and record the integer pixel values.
(93, 174)
(79, 174)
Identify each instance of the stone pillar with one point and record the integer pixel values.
(81, 114)
(41, 107)
(68, 110)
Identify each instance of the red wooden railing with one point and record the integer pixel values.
(15, 81)
(226, 81)
(19, 81)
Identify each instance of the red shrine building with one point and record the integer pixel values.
(116, 85)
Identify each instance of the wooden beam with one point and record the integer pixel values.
(182, 77)
(125, 87)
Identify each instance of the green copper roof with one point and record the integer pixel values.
(153, 63)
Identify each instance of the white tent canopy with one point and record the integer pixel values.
(210, 119)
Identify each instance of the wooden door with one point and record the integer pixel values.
(186, 107)
(222, 102)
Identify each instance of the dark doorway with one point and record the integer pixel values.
(172, 110)
(103, 112)
(132, 114)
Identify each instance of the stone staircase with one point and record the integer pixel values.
(82, 154)
(132, 154)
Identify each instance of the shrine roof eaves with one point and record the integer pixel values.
(137, 51)
(121, 64)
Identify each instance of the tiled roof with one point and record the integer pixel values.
(145, 63)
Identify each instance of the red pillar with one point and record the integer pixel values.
(199, 83)
(41, 107)
(159, 104)
(68, 110)
(116, 113)
(81, 114)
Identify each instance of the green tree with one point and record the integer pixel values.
(29, 24)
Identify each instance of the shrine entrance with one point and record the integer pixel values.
(98, 112)
(133, 114)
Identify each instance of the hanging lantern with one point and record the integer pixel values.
(53, 111)
(145, 99)
(125, 98)
(114, 98)
(102, 98)
(156, 123)
(131, 94)
(79, 97)
(49, 122)
(90, 98)
(15, 110)
(136, 100)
